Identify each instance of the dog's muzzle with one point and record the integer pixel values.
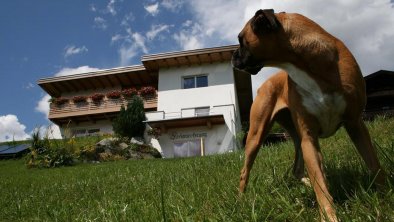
(245, 62)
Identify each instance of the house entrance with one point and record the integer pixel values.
(187, 148)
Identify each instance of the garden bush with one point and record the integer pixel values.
(44, 154)
(129, 122)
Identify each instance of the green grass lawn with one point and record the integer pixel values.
(200, 189)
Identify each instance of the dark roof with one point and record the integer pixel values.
(380, 74)
(380, 80)
(9, 151)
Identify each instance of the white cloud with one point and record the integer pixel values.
(111, 7)
(51, 132)
(116, 38)
(127, 54)
(11, 129)
(139, 40)
(191, 37)
(155, 30)
(366, 27)
(71, 71)
(133, 44)
(152, 9)
(29, 86)
(172, 5)
(93, 8)
(72, 50)
(127, 19)
(43, 105)
(187, 23)
(100, 23)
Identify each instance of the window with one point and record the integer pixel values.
(93, 131)
(187, 148)
(79, 132)
(202, 111)
(202, 81)
(195, 82)
(85, 132)
(188, 82)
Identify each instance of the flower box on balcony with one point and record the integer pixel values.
(147, 91)
(79, 99)
(97, 97)
(114, 94)
(59, 101)
(130, 92)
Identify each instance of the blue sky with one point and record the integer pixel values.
(43, 38)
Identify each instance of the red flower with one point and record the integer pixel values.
(114, 94)
(60, 101)
(130, 92)
(147, 91)
(97, 97)
(79, 99)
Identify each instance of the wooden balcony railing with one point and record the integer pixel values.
(90, 107)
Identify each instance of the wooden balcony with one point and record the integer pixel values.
(93, 111)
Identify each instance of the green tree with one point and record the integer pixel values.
(129, 122)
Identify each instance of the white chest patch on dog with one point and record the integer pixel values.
(327, 108)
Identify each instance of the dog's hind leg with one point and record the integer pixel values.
(359, 134)
(261, 118)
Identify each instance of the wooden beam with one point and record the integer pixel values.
(109, 80)
(99, 80)
(119, 81)
(130, 80)
(62, 87)
(198, 60)
(69, 85)
(88, 85)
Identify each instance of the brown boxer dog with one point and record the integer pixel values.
(320, 89)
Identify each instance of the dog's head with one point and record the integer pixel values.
(256, 42)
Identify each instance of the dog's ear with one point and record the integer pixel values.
(264, 21)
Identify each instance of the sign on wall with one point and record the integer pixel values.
(188, 136)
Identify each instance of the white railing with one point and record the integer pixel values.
(225, 110)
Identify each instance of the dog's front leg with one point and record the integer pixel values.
(261, 116)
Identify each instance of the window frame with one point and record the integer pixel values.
(194, 77)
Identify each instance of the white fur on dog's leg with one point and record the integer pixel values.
(306, 181)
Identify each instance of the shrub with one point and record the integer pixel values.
(43, 154)
(154, 132)
(129, 122)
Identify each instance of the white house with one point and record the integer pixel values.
(198, 109)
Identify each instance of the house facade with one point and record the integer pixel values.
(194, 100)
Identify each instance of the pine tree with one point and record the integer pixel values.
(129, 122)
